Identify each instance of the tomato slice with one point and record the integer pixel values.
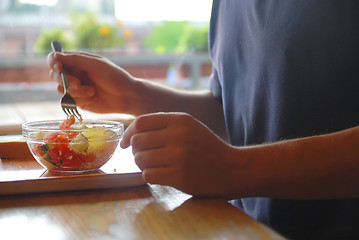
(72, 159)
(55, 158)
(62, 142)
(66, 124)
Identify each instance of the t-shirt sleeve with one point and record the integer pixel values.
(215, 86)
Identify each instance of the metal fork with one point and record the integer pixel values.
(68, 104)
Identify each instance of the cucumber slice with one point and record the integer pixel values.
(79, 144)
(44, 148)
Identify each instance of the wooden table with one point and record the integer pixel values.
(120, 208)
(147, 212)
(143, 212)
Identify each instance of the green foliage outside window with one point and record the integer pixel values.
(178, 37)
(91, 34)
(42, 44)
(85, 32)
(193, 39)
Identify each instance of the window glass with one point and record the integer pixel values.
(161, 40)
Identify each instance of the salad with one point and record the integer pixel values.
(73, 148)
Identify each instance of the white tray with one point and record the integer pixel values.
(19, 176)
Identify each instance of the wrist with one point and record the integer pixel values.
(239, 175)
(247, 174)
(137, 96)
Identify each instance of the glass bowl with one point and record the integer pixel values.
(85, 146)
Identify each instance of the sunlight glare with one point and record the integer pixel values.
(160, 10)
(40, 2)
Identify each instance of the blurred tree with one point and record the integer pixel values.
(177, 37)
(91, 34)
(43, 42)
(164, 37)
(194, 39)
(85, 32)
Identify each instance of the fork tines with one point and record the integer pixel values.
(72, 110)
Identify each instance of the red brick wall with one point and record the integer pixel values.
(28, 74)
(41, 74)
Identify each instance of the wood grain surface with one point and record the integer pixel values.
(147, 212)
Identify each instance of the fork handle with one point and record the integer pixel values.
(57, 47)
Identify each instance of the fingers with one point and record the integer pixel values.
(151, 159)
(77, 88)
(54, 75)
(72, 81)
(161, 175)
(54, 58)
(156, 168)
(51, 61)
(85, 54)
(82, 91)
(82, 61)
(148, 137)
(157, 121)
(144, 123)
(75, 64)
(148, 140)
(60, 89)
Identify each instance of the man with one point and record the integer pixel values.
(284, 89)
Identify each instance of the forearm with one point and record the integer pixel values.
(200, 104)
(318, 167)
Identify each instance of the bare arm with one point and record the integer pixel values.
(325, 166)
(176, 150)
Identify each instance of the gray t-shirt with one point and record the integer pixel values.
(285, 69)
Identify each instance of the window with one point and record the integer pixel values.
(164, 41)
